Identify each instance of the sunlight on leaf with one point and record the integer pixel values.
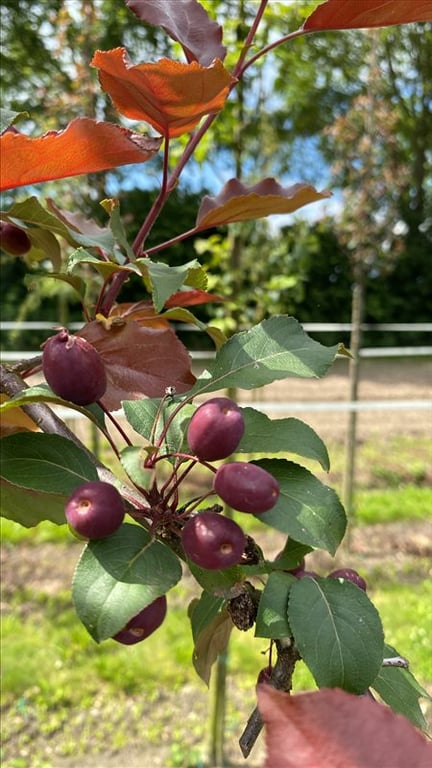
(84, 146)
(190, 298)
(237, 202)
(171, 96)
(118, 576)
(337, 631)
(14, 420)
(352, 14)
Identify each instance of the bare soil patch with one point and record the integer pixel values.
(385, 380)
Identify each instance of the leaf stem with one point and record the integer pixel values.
(116, 424)
(271, 46)
(157, 205)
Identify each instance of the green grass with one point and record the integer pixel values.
(13, 533)
(82, 696)
(407, 502)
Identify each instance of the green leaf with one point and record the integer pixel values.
(41, 462)
(203, 612)
(29, 507)
(118, 576)
(112, 208)
(132, 460)
(337, 631)
(272, 617)
(77, 283)
(183, 315)
(44, 246)
(211, 643)
(401, 691)
(291, 555)
(273, 350)
(217, 582)
(264, 435)
(8, 118)
(84, 231)
(163, 280)
(106, 268)
(307, 510)
(41, 393)
(141, 415)
(32, 212)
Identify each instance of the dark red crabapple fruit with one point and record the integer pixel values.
(73, 368)
(350, 575)
(144, 623)
(246, 487)
(215, 429)
(14, 240)
(302, 574)
(298, 568)
(213, 541)
(95, 510)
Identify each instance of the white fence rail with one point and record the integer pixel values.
(377, 352)
(274, 407)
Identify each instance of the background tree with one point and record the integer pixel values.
(297, 91)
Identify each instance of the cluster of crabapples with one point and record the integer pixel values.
(209, 539)
(75, 371)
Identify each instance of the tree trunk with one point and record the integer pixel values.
(357, 307)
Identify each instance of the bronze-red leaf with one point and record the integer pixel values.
(357, 14)
(237, 202)
(169, 95)
(141, 359)
(84, 146)
(187, 22)
(335, 729)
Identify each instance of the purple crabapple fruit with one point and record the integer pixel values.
(213, 541)
(14, 240)
(95, 509)
(215, 429)
(73, 368)
(350, 575)
(144, 623)
(298, 568)
(246, 487)
(302, 574)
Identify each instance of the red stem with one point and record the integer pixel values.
(169, 182)
(116, 424)
(157, 205)
(271, 46)
(239, 69)
(172, 241)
